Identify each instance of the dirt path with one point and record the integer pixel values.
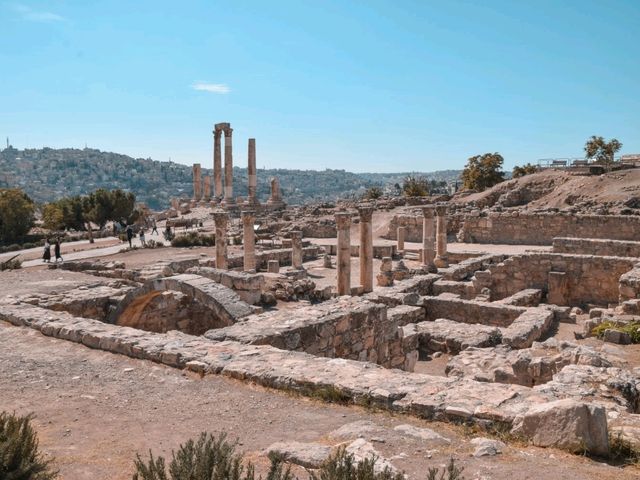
(94, 410)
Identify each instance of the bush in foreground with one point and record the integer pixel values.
(212, 458)
(19, 455)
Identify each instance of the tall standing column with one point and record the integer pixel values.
(197, 182)
(366, 248)
(248, 240)
(217, 164)
(343, 224)
(228, 167)
(252, 174)
(207, 187)
(441, 236)
(296, 249)
(428, 238)
(222, 221)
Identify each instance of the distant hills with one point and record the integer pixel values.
(47, 174)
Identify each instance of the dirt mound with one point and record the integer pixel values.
(613, 193)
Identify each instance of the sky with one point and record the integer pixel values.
(365, 86)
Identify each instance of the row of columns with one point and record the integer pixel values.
(434, 237)
(248, 217)
(343, 226)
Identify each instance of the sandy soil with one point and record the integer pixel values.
(95, 411)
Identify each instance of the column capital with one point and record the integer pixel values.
(217, 133)
(221, 218)
(248, 216)
(441, 209)
(365, 212)
(228, 131)
(343, 220)
(295, 234)
(428, 211)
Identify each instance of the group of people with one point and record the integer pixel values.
(143, 242)
(46, 256)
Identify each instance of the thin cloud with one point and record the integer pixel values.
(33, 15)
(219, 88)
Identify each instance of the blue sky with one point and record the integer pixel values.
(364, 86)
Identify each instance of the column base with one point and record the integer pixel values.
(441, 262)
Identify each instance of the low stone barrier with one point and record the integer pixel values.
(470, 311)
(540, 229)
(595, 246)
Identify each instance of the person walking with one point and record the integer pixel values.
(46, 256)
(142, 241)
(154, 227)
(129, 235)
(56, 250)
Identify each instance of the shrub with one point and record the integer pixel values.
(632, 328)
(19, 455)
(193, 239)
(153, 244)
(372, 193)
(207, 458)
(212, 458)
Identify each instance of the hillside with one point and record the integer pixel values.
(614, 192)
(47, 174)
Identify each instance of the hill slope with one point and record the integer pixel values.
(47, 174)
(612, 192)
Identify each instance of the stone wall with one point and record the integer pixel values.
(413, 223)
(594, 246)
(379, 251)
(515, 228)
(346, 327)
(470, 311)
(566, 279)
(283, 255)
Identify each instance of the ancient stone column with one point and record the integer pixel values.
(275, 200)
(401, 234)
(248, 239)
(428, 238)
(343, 224)
(296, 249)
(197, 182)
(252, 174)
(441, 236)
(228, 167)
(207, 187)
(366, 248)
(217, 163)
(221, 220)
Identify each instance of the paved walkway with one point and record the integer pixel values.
(97, 251)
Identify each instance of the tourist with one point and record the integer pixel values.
(129, 235)
(144, 244)
(167, 232)
(46, 256)
(154, 227)
(56, 250)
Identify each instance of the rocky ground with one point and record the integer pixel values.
(85, 400)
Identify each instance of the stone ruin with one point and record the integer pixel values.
(492, 316)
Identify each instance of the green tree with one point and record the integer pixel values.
(483, 171)
(52, 216)
(16, 214)
(524, 170)
(603, 152)
(372, 193)
(415, 186)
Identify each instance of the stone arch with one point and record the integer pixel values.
(225, 305)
